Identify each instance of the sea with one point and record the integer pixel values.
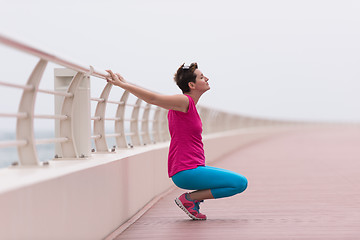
(46, 152)
(9, 156)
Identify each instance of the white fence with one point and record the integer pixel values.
(146, 124)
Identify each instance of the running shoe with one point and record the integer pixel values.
(190, 207)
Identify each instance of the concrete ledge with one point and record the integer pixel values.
(88, 199)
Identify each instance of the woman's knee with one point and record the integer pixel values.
(241, 184)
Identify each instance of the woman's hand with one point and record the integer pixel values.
(115, 78)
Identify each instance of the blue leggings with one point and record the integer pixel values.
(221, 182)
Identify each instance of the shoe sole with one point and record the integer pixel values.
(181, 206)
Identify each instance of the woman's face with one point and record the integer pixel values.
(201, 81)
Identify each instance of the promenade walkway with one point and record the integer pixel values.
(302, 185)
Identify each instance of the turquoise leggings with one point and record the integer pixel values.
(222, 183)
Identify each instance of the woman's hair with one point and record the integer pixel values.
(184, 75)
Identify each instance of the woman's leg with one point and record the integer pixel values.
(200, 195)
(210, 182)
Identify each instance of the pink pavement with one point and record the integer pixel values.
(303, 184)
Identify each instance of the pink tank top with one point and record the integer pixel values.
(186, 148)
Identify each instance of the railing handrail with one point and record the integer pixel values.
(51, 57)
(68, 135)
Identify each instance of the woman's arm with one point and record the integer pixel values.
(177, 102)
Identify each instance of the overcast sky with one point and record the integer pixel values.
(281, 59)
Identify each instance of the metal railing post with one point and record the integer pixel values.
(99, 124)
(77, 127)
(25, 126)
(145, 132)
(121, 141)
(134, 124)
(156, 129)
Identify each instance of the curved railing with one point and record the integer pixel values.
(146, 124)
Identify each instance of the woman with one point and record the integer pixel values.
(186, 161)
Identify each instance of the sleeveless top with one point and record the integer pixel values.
(186, 147)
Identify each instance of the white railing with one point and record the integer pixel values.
(147, 124)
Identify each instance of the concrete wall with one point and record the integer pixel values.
(89, 199)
